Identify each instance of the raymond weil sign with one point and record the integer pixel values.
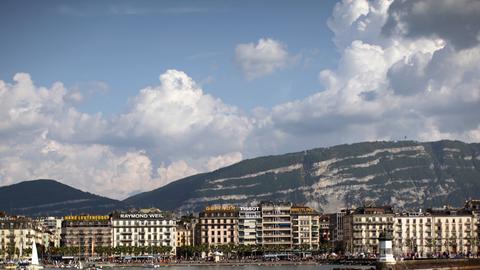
(140, 216)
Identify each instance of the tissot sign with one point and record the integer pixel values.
(140, 216)
(249, 208)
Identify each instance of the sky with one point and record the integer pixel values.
(120, 97)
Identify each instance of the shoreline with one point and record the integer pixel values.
(209, 264)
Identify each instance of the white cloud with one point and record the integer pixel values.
(178, 113)
(170, 131)
(176, 170)
(223, 160)
(96, 168)
(385, 87)
(261, 59)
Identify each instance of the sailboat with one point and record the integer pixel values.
(35, 265)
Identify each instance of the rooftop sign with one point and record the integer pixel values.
(86, 218)
(219, 208)
(140, 216)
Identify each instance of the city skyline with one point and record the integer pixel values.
(120, 97)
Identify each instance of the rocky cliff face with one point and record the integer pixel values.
(405, 174)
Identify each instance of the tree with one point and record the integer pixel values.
(430, 244)
(11, 250)
(453, 243)
(408, 244)
(27, 252)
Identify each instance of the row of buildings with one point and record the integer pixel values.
(270, 225)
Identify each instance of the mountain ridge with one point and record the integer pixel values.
(408, 174)
(50, 197)
(337, 176)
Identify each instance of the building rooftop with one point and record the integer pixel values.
(374, 210)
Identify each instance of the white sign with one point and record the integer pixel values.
(141, 216)
(249, 208)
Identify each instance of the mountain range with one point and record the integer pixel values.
(406, 174)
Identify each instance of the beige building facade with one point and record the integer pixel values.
(362, 227)
(86, 233)
(305, 227)
(17, 235)
(217, 225)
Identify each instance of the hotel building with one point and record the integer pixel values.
(305, 227)
(362, 227)
(217, 225)
(433, 232)
(86, 233)
(453, 230)
(143, 228)
(276, 224)
(413, 234)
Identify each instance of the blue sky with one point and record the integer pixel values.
(119, 97)
(127, 44)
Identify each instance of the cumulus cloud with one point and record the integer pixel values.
(170, 131)
(261, 59)
(385, 86)
(456, 21)
(177, 112)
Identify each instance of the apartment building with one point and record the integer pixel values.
(362, 227)
(53, 225)
(144, 228)
(474, 206)
(336, 226)
(249, 225)
(17, 234)
(186, 231)
(217, 225)
(184, 236)
(305, 227)
(276, 224)
(324, 229)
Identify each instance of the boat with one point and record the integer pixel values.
(34, 265)
(151, 265)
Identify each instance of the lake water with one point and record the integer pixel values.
(247, 267)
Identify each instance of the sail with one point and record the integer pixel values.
(34, 254)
